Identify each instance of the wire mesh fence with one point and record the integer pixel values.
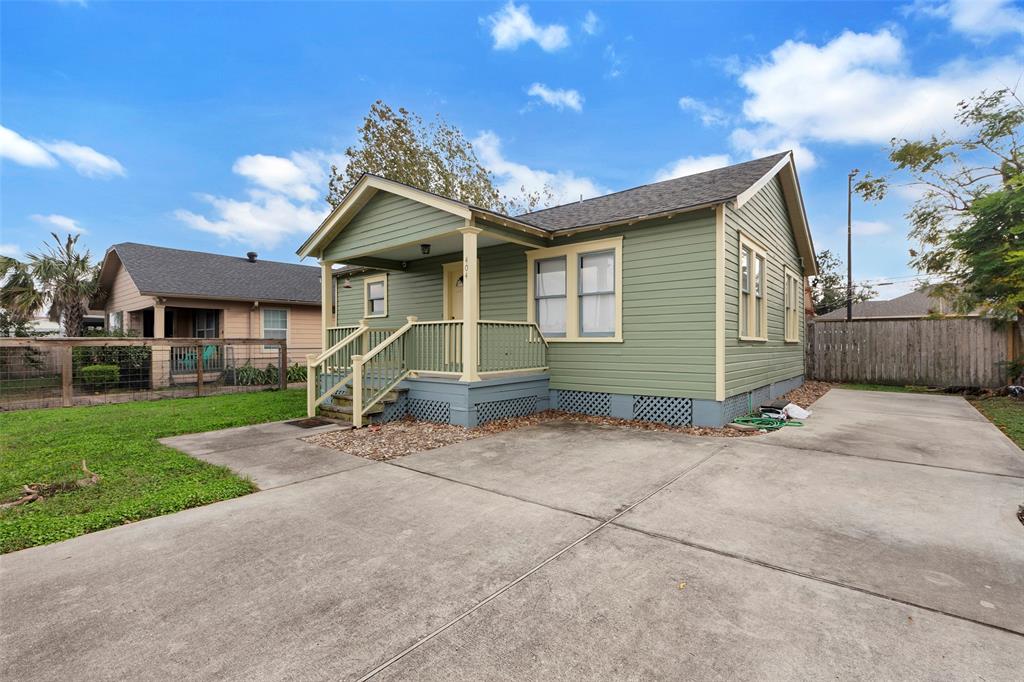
(55, 372)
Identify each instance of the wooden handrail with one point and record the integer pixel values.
(341, 344)
(388, 341)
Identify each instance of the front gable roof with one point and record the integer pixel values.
(160, 271)
(736, 183)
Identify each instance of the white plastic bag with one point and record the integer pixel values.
(794, 411)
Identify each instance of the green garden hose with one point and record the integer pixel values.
(766, 423)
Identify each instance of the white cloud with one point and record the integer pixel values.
(283, 202)
(708, 115)
(512, 177)
(297, 177)
(857, 89)
(59, 222)
(690, 165)
(11, 251)
(85, 160)
(869, 228)
(616, 64)
(512, 26)
(978, 19)
(556, 97)
(591, 24)
(21, 151)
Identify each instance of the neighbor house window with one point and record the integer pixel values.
(549, 294)
(753, 309)
(116, 321)
(275, 324)
(575, 291)
(597, 293)
(204, 324)
(794, 300)
(375, 296)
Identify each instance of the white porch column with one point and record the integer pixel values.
(470, 304)
(326, 298)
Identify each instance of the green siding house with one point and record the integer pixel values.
(679, 301)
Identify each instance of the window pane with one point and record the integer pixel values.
(597, 272)
(376, 290)
(550, 277)
(597, 314)
(551, 315)
(759, 276)
(744, 314)
(376, 306)
(745, 269)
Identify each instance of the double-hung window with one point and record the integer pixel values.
(275, 324)
(794, 299)
(375, 296)
(549, 294)
(753, 302)
(597, 293)
(575, 291)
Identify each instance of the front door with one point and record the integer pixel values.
(453, 291)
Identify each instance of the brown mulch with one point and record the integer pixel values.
(406, 436)
(808, 393)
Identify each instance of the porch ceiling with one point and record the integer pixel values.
(450, 243)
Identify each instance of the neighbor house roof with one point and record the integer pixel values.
(736, 183)
(160, 271)
(915, 304)
(700, 189)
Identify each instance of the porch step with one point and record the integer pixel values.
(344, 412)
(340, 405)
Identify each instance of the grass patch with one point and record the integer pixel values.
(1006, 413)
(141, 477)
(887, 388)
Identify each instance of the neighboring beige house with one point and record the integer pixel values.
(915, 305)
(159, 292)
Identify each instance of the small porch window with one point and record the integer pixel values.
(115, 321)
(375, 296)
(549, 293)
(204, 324)
(275, 324)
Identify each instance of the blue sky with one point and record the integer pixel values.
(210, 126)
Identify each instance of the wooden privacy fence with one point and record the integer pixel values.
(966, 351)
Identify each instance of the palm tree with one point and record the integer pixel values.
(61, 277)
(20, 296)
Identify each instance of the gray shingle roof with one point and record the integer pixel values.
(709, 187)
(915, 304)
(159, 270)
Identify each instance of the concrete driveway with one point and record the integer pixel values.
(880, 541)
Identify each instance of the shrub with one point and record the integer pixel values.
(101, 375)
(296, 373)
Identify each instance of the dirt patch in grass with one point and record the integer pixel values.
(809, 392)
(404, 437)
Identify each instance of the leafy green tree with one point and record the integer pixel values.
(828, 287)
(969, 217)
(435, 157)
(60, 277)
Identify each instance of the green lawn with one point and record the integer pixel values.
(1007, 414)
(141, 478)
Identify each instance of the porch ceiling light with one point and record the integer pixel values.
(425, 249)
(347, 284)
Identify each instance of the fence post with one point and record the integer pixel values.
(199, 369)
(66, 369)
(282, 365)
(809, 355)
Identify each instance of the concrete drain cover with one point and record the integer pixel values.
(309, 423)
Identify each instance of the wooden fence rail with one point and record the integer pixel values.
(965, 351)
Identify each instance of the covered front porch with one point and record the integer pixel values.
(170, 322)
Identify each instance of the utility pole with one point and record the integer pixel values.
(849, 244)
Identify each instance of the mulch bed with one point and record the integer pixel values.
(808, 393)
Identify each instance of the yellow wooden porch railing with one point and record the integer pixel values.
(375, 360)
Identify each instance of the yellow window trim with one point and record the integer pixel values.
(792, 326)
(756, 250)
(367, 281)
(571, 252)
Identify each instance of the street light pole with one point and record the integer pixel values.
(849, 244)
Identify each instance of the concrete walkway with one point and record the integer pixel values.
(561, 552)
